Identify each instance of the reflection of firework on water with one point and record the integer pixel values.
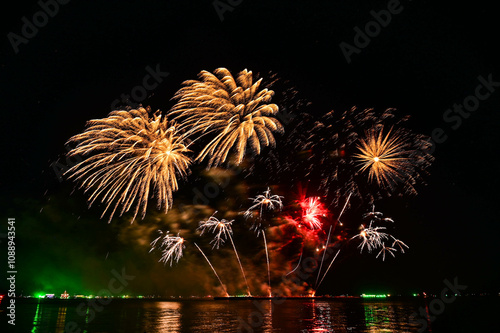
(127, 158)
(221, 229)
(234, 110)
(171, 246)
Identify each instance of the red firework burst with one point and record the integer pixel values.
(312, 211)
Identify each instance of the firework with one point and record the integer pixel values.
(312, 211)
(371, 237)
(387, 158)
(264, 201)
(269, 202)
(213, 269)
(171, 246)
(233, 110)
(384, 250)
(327, 153)
(222, 230)
(374, 237)
(400, 244)
(129, 157)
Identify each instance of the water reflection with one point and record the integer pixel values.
(162, 317)
(61, 320)
(303, 316)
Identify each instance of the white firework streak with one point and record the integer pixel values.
(224, 226)
(384, 250)
(171, 246)
(371, 238)
(221, 229)
(400, 244)
(266, 200)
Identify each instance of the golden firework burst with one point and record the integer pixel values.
(129, 157)
(236, 112)
(384, 156)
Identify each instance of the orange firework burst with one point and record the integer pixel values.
(388, 158)
(235, 111)
(127, 158)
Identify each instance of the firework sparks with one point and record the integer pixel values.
(171, 246)
(385, 157)
(234, 110)
(221, 229)
(400, 244)
(312, 211)
(384, 250)
(264, 201)
(127, 158)
(373, 237)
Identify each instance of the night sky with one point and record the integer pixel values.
(428, 58)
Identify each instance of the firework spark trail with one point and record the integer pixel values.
(328, 238)
(213, 269)
(221, 229)
(300, 258)
(373, 238)
(385, 249)
(270, 202)
(266, 200)
(241, 267)
(324, 253)
(224, 226)
(128, 157)
(328, 269)
(267, 259)
(172, 247)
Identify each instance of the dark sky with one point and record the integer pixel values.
(428, 58)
